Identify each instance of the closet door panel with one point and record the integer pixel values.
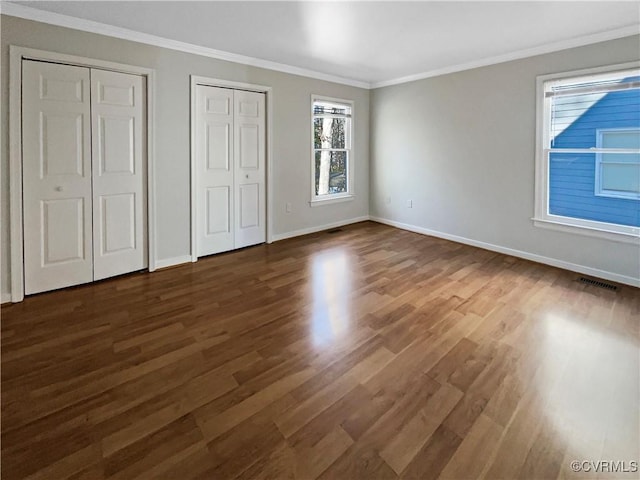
(214, 169)
(217, 208)
(249, 161)
(249, 205)
(119, 173)
(56, 156)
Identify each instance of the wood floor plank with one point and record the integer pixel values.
(299, 416)
(281, 463)
(474, 452)
(213, 426)
(196, 393)
(70, 465)
(434, 455)
(368, 353)
(149, 452)
(331, 418)
(359, 463)
(251, 442)
(406, 444)
(311, 462)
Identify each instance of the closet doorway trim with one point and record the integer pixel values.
(214, 82)
(16, 56)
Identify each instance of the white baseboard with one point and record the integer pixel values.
(5, 297)
(305, 231)
(614, 277)
(170, 262)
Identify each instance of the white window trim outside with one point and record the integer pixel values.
(599, 191)
(542, 217)
(318, 200)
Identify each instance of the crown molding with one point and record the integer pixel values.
(518, 55)
(29, 13)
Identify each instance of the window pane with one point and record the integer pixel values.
(623, 178)
(572, 190)
(331, 172)
(621, 139)
(320, 107)
(329, 132)
(633, 158)
(575, 119)
(619, 174)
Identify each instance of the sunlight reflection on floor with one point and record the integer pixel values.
(331, 283)
(580, 384)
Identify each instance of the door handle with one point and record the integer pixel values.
(58, 188)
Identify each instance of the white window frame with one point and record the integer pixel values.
(317, 200)
(542, 218)
(602, 192)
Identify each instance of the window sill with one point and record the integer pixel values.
(632, 236)
(318, 202)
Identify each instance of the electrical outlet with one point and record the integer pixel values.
(409, 203)
(287, 207)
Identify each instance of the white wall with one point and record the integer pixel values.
(461, 147)
(291, 132)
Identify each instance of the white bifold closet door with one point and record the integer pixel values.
(230, 169)
(56, 176)
(84, 192)
(119, 172)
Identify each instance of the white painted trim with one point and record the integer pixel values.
(541, 216)
(583, 72)
(30, 13)
(584, 228)
(270, 172)
(15, 175)
(193, 201)
(517, 55)
(350, 193)
(614, 277)
(170, 262)
(331, 199)
(16, 56)
(5, 298)
(215, 82)
(152, 234)
(307, 231)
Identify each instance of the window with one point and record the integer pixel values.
(588, 152)
(331, 159)
(618, 176)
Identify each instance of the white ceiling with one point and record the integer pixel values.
(374, 43)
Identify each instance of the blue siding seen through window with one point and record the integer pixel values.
(574, 124)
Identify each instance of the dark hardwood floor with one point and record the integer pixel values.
(366, 353)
